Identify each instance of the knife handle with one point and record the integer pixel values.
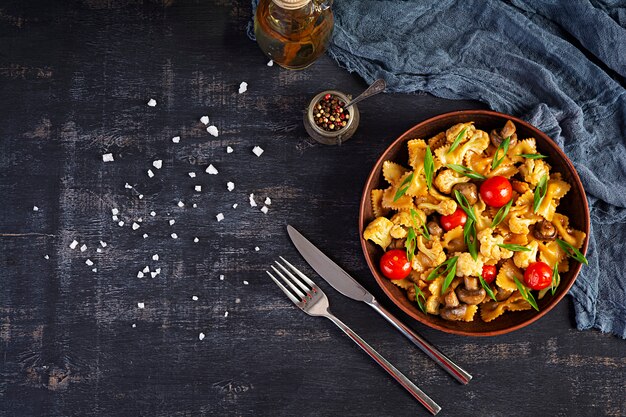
(442, 360)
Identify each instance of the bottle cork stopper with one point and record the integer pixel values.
(291, 4)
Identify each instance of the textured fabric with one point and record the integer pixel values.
(560, 65)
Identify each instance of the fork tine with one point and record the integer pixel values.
(293, 287)
(282, 287)
(293, 277)
(297, 271)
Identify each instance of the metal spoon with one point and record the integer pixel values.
(377, 86)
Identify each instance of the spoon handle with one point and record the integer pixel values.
(377, 86)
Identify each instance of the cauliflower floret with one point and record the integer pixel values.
(445, 207)
(519, 225)
(447, 179)
(398, 232)
(402, 218)
(489, 245)
(533, 170)
(379, 231)
(430, 254)
(522, 259)
(466, 266)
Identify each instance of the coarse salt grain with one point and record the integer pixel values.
(174, 236)
(152, 102)
(252, 202)
(140, 196)
(201, 336)
(211, 170)
(153, 213)
(115, 211)
(213, 130)
(139, 274)
(204, 120)
(192, 174)
(194, 297)
(194, 205)
(73, 244)
(150, 173)
(103, 244)
(219, 217)
(89, 262)
(235, 205)
(115, 218)
(243, 87)
(146, 269)
(226, 314)
(158, 270)
(121, 223)
(83, 248)
(107, 157)
(134, 325)
(245, 282)
(256, 248)
(257, 150)
(268, 201)
(94, 270)
(155, 257)
(35, 208)
(145, 235)
(270, 63)
(237, 300)
(158, 163)
(264, 209)
(230, 186)
(196, 240)
(229, 149)
(181, 204)
(139, 220)
(98, 250)
(128, 186)
(46, 257)
(221, 277)
(141, 305)
(135, 226)
(172, 221)
(176, 139)
(154, 274)
(198, 188)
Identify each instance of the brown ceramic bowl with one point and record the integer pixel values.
(574, 205)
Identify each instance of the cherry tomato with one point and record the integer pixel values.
(458, 218)
(496, 191)
(489, 273)
(395, 265)
(538, 276)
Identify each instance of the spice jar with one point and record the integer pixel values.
(328, 121)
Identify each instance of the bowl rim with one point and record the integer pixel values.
(407, 135)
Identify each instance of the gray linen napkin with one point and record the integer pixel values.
(560, 65)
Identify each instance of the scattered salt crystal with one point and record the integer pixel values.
(176, 139)
(94, 270)
(121, 223)
(256, 248)
(146, 269)
(73, 244)
(115, 211)
(196, 240)
(35, 208)
(174, 236)
(150, 173)
(152, 102)
(107, 157)
(243, 87)
(115, 218)
(140, 196)
(221, 277)
(194, 205)
(46, 257)
(139, 220)
(219, 217)
(83, 248)
(153, 213)
(153, 274)
(103, 244)
(204, 120)
(264, 209)
(98, 250)
(135, 226)
(194, 297)
(270, 63)
(139, 274)
(226, 314)
(172, 221)
(229, 149)
(155, 257)
(245, 283)
(211, 170)
(268, 201)
(89, 262)
(181, 204)
(145, 235)
(128, 186)
(141, 305)
(252, 202)
(198, 188)
(235, 205)
(201, 336)
(192, 174)
(212, 130)
(257, 150)
(158, 270)
(134, 325)
(237, 300)
(157, 164)
(230, 186)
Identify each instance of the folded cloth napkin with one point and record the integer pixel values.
(560, 65)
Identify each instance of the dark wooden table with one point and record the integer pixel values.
(74, 81)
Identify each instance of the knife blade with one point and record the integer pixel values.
(348, 286)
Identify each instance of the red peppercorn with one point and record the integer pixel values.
(327, 97)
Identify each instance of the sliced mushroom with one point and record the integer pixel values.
(434, 228)
(453, 313)
(471, 297)
(502, 294)
(468, 190)
(451, 300)
(471, 283)
(508, 129)
(456, 245)
(544, 230)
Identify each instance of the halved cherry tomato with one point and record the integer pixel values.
(395, 265)
(458, 218)
(538, 276)
(496, 191)
(489, 273)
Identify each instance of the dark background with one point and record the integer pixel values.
(74, 81)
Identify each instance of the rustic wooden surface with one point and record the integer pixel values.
(74, 81)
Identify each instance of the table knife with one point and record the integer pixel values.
(348, 286)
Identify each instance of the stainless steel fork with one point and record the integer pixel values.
(312, 300)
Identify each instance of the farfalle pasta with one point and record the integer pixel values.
(473, 217)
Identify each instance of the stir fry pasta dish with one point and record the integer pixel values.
(472, 225)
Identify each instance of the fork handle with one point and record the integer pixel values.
(417, 393)
(442, 360)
